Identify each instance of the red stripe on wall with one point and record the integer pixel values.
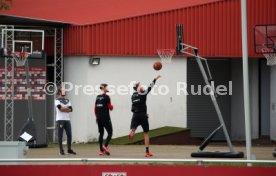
(133, 170)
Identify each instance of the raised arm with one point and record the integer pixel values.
(152, 84)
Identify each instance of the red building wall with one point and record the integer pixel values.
(214, 28)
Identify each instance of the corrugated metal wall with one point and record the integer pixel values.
(214, 28)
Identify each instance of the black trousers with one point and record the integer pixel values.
(107, 125)
(61, 126)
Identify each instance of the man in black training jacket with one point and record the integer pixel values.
(102, 107)
(140, 116)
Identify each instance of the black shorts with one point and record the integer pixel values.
(107, 125)
(140, 119)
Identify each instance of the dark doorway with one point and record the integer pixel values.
(264, 105)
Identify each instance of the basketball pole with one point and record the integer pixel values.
(247, 116)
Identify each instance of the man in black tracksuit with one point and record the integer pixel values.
(102, 107)
(139, 109)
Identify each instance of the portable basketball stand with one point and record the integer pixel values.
(29, 126)
(183, 48)
(9, 50)
(265, 44)
(21, 60)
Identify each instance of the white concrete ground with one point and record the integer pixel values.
(137, 151)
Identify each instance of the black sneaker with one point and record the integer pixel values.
(71, 152)
(61, 153)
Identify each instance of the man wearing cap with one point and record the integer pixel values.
(102, 107)
(140, 116)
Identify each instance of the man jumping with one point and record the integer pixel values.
(102, 107)
(140, 116)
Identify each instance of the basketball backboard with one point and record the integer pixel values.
(179, 38)
(23, 46)
(265, 39)
(181, 47)
(22, 40)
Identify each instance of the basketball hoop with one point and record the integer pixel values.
(269, 55)
(165, 55)
(20, 58)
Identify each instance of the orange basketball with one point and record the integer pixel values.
(157, 65)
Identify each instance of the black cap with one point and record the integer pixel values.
(136, 85)
(103, 85)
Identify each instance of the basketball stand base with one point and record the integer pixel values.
(217, 154)
(274, 153)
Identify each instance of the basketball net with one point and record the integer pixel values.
(20, 58)
(165, 55)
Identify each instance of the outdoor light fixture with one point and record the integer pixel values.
(94, 61)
